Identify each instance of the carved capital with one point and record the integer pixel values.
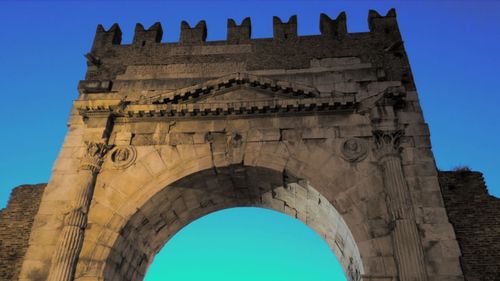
(387, 143)
(94, 154)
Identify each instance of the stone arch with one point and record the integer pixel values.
(210, 190)
(355, 190)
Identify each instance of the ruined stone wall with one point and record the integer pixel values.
(475, 215)
(15, 227)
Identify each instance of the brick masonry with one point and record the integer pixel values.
(15, 227)
(475, 215)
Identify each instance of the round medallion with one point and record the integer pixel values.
(353, 150)
(123, 157)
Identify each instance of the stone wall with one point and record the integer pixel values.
(475, 215)
(15, 227)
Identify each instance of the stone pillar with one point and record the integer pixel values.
(71, 238)
(406, 239)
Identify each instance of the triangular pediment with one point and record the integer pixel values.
(240, 93)
(236, 87)
(237, 94)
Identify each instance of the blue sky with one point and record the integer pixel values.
(453, 47)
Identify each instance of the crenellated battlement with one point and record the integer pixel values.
(106, 38)
(336, 28)
(285, 30)
(383, 24)
(241, 34)
(110, 62)
(193, 35)
(153, 34)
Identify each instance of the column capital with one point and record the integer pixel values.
(94, 154)
(387, 142)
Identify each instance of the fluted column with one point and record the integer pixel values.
(406, 239)
(71, 238)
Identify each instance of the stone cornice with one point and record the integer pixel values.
(94, 105)
(118, 108)
(283, 97)
(88, 108)
(297, 99)
(339, 103)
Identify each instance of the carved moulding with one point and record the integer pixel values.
(354, 150)
(123, 157)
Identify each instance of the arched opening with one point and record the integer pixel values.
(211, 190)
(245, 244)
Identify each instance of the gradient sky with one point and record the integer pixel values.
(453, 47)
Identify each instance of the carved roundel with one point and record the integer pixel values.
(354, 150)
(123, 157)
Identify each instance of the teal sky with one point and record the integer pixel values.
(246, 244)
(453, 48)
